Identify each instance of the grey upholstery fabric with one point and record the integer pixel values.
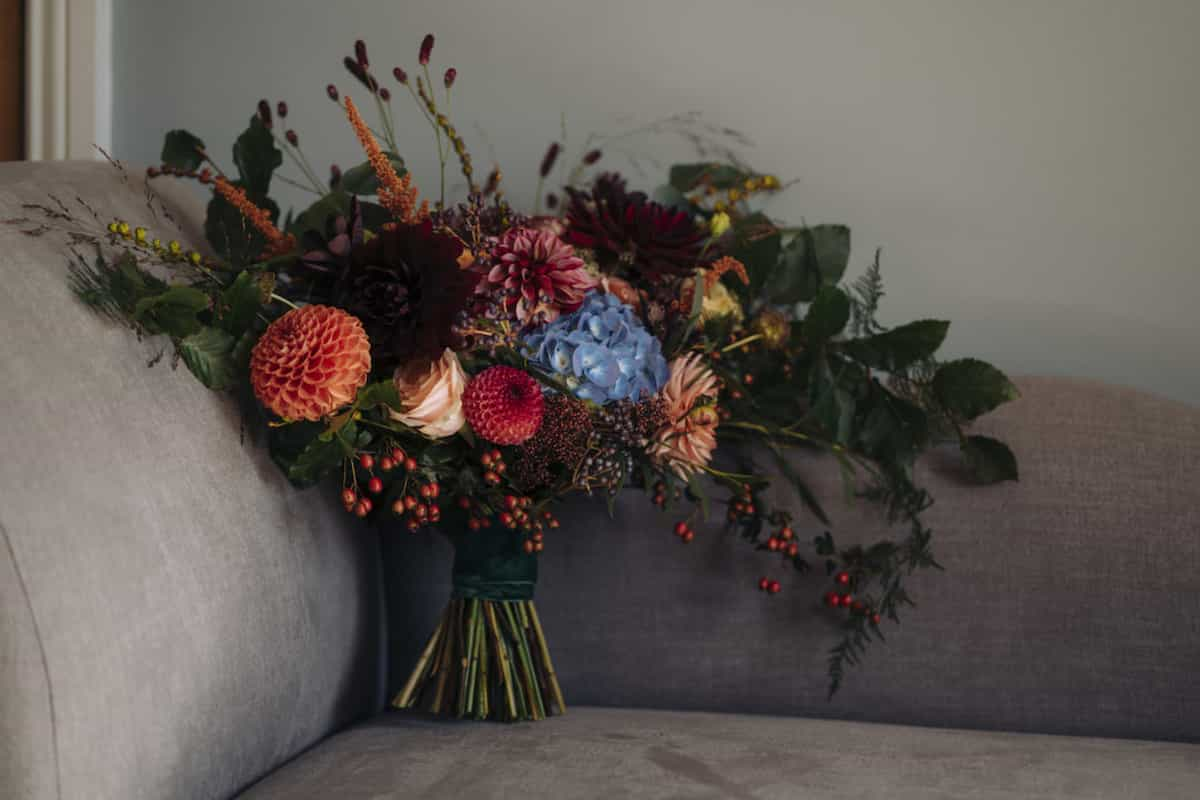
(615, 753)
(1068, 604)
(174, 619)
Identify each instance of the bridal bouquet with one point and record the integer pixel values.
(463, 364)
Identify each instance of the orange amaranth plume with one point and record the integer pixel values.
(396, 194)
(277, 241)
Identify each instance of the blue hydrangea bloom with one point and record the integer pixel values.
(602, 351)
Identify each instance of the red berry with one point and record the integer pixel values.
(398, 456)
(366, 460)
(832, 600)
(875, 619)
(510, 501)
(464, 502)
(497, 455)
(774, 587)
(375, 486)
(529, 546)
(846, 600)
(386, 463)
(843, 578)
(491, 478)
(424, 491)
(763, 583)
(772, 544)
(793, 550)
(414, 526)
(348, 496)
(486, 459)
(473, 524)
(749, 508)
(681, 528)
(434, 489)
(398, 506)
(410, 502)
(688, 535)
(506, 519)
(410, 464)
(786, 533)
(361, 509)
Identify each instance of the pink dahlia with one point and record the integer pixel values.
(540, 275)
(686, 442)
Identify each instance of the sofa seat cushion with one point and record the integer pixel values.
(607, 753)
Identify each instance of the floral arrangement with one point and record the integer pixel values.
(468, 364)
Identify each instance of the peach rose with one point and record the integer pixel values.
(431, 395)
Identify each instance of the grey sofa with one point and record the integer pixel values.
(176, 622)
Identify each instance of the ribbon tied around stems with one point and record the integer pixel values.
(491, 564)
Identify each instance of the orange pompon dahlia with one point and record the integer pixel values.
(687, 441)
(278, 242)
(396, 194)
(310, 362)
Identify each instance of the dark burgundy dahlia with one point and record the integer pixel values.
(627, 229)
(408, 288)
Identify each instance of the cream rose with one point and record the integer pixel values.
(431, 395)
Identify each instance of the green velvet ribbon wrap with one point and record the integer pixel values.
(491, 564)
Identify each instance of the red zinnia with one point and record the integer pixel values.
(503, 405)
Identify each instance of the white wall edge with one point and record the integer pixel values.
(69, 82)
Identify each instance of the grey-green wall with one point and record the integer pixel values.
(1030, 167)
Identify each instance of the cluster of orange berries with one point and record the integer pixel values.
(843, 598)
(742, 506)
(770, 586)
(685, 531)
(784, 542)
(734, 194)
(493, 467)
(660, 495)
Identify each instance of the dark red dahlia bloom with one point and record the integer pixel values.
(408, 288)
(627, 229)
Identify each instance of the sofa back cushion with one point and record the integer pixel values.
(175, 620)
(1069, 602)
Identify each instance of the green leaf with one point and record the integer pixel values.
(306, 451)
(828, 315)
(241, 301)
(361, 179)
(756, 243)
(686, 177)
(181, 150)
(231, 236)
(893, 429)
(816, 256)
(670, 197)
(256, 157)
(969, 387)
(900, 347)
(208, 354)
(240, 355)
(832, 405)
(990, 459)
(382, 393)
(317, 216)
(172, 312)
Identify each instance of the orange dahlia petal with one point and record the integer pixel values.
(310, 362)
